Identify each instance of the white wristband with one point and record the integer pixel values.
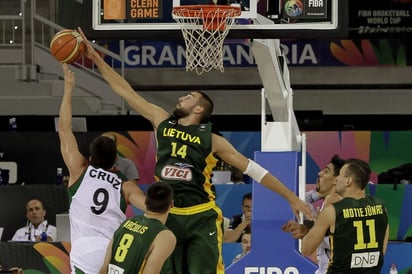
(255, 171)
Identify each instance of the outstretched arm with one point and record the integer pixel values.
(121, 87)
(134, 195)
(72, 157)
(230, 155)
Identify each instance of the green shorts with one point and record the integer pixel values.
(199, 243)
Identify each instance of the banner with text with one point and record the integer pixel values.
(382, 52)
(132, 9)
(375, 19)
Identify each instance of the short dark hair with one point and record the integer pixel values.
(247, 196)
(337, 163)
(103, 152)
(360, 171)
(159, 195)
(247, 231)
(207, 103)
(111, 135)
(43, 205)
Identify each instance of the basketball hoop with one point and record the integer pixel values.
(204, 28)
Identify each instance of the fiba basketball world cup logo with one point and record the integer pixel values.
(294, 8)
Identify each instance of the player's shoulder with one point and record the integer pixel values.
(332, 198)
(166, 236)
(215, 130)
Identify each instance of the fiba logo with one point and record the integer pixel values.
(316, 3)
(294, 8)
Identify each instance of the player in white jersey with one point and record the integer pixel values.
(325, 189)
(99, 195)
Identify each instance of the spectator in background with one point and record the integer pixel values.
(123, 164)
(239, 223)
(37, 228)
(246, 241)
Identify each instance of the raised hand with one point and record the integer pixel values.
(301, 206)
(90, 51)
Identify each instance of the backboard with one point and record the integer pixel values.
(152, 19)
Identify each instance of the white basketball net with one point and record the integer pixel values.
(204, 38)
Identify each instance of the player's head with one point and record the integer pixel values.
(354, 174)
(103, 152)
(194, 102)
(326, 177)
(111, 135)
(337, 164)
(159, 197)
(359, 170)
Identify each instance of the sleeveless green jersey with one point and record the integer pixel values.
(357, 243)
(131, 242)
(185, 161)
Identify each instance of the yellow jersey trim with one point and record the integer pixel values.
(193, 209)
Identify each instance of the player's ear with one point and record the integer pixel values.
(349, 181)
(198, 109)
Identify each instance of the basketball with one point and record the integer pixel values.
(67, 46)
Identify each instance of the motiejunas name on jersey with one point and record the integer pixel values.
(172, 132)
(135, 226)
(362, 211)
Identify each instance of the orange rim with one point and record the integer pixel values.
(220, 11)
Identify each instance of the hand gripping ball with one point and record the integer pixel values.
(67, 46)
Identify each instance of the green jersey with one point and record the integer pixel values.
(357, 243)
(185, 161)
(131, 243)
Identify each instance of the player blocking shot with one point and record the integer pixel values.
(188, 148)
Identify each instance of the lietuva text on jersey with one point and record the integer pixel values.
(178, 134)
(105, 176)
(135, 227)
(362, 211)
